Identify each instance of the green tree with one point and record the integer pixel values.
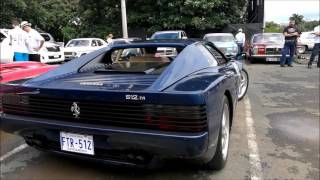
(183, 14)
(273, 27)
(11, 9)
(66, 19)
(297, 18)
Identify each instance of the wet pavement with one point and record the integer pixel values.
(285, 111)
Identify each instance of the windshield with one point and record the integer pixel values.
(215, 39)
(2, 37)
(78, 43)
(268, 38)
(165, 36)
(46, 37)
(146, 60)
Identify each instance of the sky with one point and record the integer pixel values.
(279, 11)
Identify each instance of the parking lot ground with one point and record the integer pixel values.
(275, 135)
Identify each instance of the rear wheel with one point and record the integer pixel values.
(301, 49)
(244, 84)
(220, 157)
(251, 60)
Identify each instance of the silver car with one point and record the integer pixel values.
(224, 41)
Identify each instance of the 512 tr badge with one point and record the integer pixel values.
(134, 97)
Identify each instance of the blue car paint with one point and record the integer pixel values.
(168, 89)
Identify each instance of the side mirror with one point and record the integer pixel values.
(230, 57)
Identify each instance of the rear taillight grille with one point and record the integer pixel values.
(146, 116)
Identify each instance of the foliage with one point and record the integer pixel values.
(273, 27)
(300, 22)
(66, 19)
(183, 14)
(297, 18)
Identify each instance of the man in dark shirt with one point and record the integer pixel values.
(291, 33)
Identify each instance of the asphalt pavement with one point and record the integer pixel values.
(275, 135)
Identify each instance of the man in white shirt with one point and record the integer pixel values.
(241, 39)
(35, 41)
(18, 41)
(316, 48)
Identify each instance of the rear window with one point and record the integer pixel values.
(166, 36)
(2, 37)
(46, 37)
(268, 38)
(219, 39)
(148, 60)
(78, 43)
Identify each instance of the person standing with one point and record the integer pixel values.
(35, 41)
(291, 33)
(109, 38)
(241, 39)
(18, 41)
(316, 48)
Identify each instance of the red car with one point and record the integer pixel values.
(265, 47)
(22, 70)
(15, 71)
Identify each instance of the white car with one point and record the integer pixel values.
(6, 52)
(224, 41)
(49, 53)
(79, 47)
(178, 34)
(305, 42)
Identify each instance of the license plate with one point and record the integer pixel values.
(56, 56)
(272, 59)
(78, 143)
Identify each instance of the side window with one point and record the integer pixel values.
(99, 43)
(94, 43)
(218, 55)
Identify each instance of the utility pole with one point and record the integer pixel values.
(124, 19)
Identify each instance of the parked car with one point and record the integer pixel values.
(165, 35)
(6, 52)
(10, 72)
(265, 47)
(178, 34)
(49, 38)
(224, 41)
(132, 110)
(82, 46)
(305, 42)
(123, 41)
(52, 51)
(49, 53)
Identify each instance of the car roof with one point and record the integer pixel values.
(86, 39)
(126, 39)
(156, 43)
(268, 34)
(171, 31)
(219, 34)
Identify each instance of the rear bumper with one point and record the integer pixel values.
(52, 57)
(271, 58)
(112, 145)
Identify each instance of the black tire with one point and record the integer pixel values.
(219, 159)
(302, 49)
(251, 60)
(244, 84)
